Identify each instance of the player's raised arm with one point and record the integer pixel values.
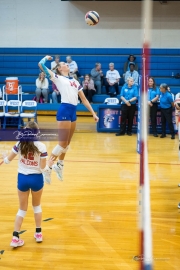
(42, 66)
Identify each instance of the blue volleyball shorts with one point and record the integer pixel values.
(66, 112)
(34, 182)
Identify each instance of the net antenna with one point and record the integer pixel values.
(146, 262)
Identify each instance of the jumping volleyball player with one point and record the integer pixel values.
(31, 165)
(69, 89)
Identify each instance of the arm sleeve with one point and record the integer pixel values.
(45, 69)
(15, 148)
(170, 98)
(55, 78)
(43, 151)
(80, 88)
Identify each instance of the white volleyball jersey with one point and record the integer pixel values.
(30, 164)
(68, 88)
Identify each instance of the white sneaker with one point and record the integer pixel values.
(47, 176)
(16, 242)
(38, 237)
(59, 171)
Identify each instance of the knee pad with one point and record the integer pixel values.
(58, 150)
(65, 149)
(21, 213)
(37, 209)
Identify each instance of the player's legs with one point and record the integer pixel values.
(23, 205)
(64, 130)
(66, 118)
(58, 168)
(72, 129)
(36, 201)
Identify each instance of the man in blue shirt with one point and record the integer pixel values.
(166, 103)
(129, 95)
(132, 73)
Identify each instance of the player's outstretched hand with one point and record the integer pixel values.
(96, 118)
(4, 155)
(49, 57)
(51, 161)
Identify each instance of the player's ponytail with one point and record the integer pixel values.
(28, 146)
(57, 70)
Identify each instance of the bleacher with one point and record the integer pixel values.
(23, 63)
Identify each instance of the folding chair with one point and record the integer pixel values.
(15, 114)
(2, 111)
(31, 107)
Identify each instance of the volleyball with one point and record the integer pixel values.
(92, 18)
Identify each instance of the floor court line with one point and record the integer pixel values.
(116, 162)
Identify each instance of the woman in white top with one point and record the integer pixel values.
(31, 169)
(42, 86)
(69, 89)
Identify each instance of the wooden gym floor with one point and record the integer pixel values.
(93, 213)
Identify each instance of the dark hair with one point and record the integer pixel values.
(154, 83)
(28, 146)
(131, 64)
(164, 85)
(132, 56)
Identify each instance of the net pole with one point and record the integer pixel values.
(145, 220)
